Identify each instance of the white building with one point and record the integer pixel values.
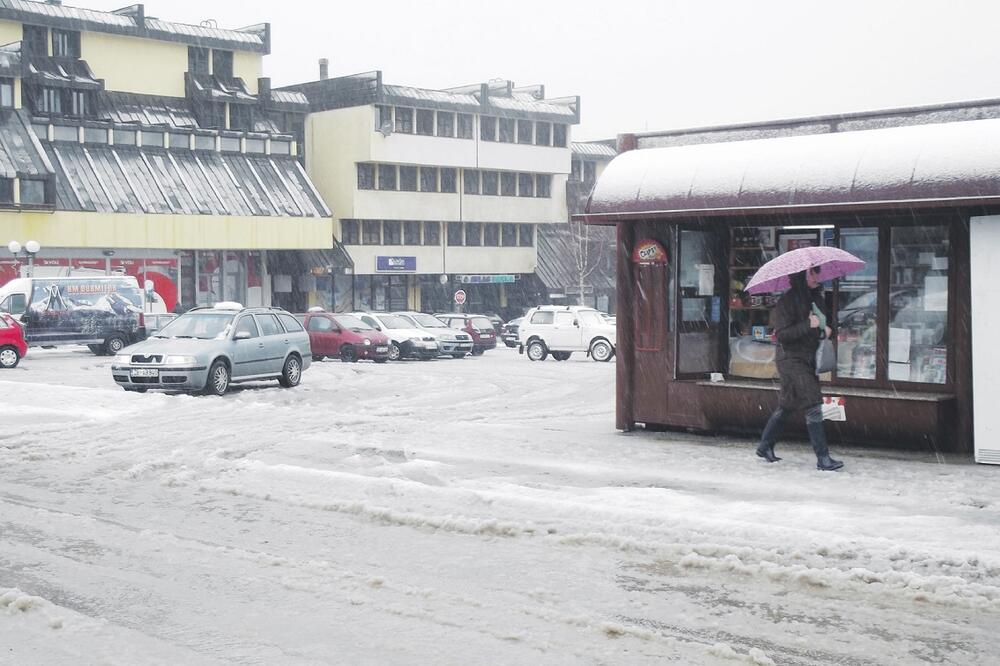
(431, 183)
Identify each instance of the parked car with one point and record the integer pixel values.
(155, 322)
(479, 327)
(208, 348)
(103, 312)
(497, 322)
(12, 344)
(561, 330)
(343, 336)
(405, 340)
(508, 333)
(452, 343)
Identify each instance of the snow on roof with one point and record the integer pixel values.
(426, 95)
(532, 106)
(593, 149)
(948, 162)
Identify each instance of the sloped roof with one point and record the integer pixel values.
(20, 152)
(593, 150)
(122, 107)
(919, 165)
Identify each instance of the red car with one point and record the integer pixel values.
(343, 336)
(12, 344)
(484, 336)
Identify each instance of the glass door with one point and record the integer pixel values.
(700, 285)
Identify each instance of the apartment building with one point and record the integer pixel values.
(130, 143)
(437, 190)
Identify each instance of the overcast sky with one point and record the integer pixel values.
(640, 65)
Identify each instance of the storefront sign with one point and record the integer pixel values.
(649, 251)
(486, 279)
(396, 264)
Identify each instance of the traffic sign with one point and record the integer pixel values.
(460, 297)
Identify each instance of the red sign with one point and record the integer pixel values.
(88, 263)
(649, 251)
(460, 297)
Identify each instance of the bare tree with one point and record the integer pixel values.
(591, 251)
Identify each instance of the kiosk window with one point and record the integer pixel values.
(857, 315)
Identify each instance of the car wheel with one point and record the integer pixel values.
(218, 379)
(114, 344)
(394, 353)
(318, 357)
(601, 351)
(561, 356)
(291, 374)
(477, 352)
(537, 351)
(347, 354)
(9, 357)
(97, 349)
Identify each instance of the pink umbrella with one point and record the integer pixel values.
(832, 262)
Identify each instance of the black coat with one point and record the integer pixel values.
(797, 345)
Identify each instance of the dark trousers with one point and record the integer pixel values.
(814, 424)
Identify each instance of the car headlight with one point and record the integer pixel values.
(123, 359)
(180, 360)
(415, 338)
(367, 342)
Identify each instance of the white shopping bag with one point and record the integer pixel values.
(834, 408)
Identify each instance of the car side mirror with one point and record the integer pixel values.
(242, 335)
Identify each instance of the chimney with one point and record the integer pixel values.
(324, 69)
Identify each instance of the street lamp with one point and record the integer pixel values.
(31, 248)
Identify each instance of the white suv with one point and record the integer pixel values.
(561, 330)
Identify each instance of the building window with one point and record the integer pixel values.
(454, 233)
(222, 63)
(66, 43)
(508, 184)
(366, 176)
(383, 117)
(525, 235)
(391, 232)
(466, 129)
(32, 192)
(491, 234)
(35, 40)
(404, 120)
(491, 183)
(349, 233)
(589, 172)
(487, 128)
(446, 123)
(525, 131)
(473, 234)
(202, 142)
(371, 232)
(180, 141)
(78, 101)
(428, 179)
(66, 133)
(576, 170)
(559, 132)
(95, 135)
(857, 321)
(432, 233)
(543, 134)
(6, 190)
(543, 185)
(51, 101)
(125, 137)
(470, 181)
(198, 59)
(448, 180)
(508, 235)
(525, 185)
(408, 178)
(425, 122)
(7, 93)
(411, 233)
(231, 144)
(240, 117)
(387, 176)
(506, 129)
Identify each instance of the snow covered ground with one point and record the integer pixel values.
(455, 512)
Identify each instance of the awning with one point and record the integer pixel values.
(901, 167)
(314, 262)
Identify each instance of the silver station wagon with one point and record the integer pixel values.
(206, 349)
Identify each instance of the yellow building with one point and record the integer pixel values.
(134, 144)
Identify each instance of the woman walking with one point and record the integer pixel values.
(800, 324)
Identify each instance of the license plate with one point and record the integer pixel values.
(381, 349)
(144, 372)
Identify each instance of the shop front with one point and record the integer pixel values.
(697, 351)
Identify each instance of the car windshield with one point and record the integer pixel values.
(481, 323)
(428, 321)
(392, 321)
(352, 322)
(201, 325)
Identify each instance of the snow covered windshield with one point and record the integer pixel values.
(428, 321)
(352, 322)
(392, 321)
(482, 323)
(204, 326)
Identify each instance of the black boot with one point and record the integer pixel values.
(774, 426)
(766, 451)
(817, 435)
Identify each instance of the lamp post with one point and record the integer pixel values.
(30, 249)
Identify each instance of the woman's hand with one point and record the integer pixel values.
(813, 321)
(828, 333)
